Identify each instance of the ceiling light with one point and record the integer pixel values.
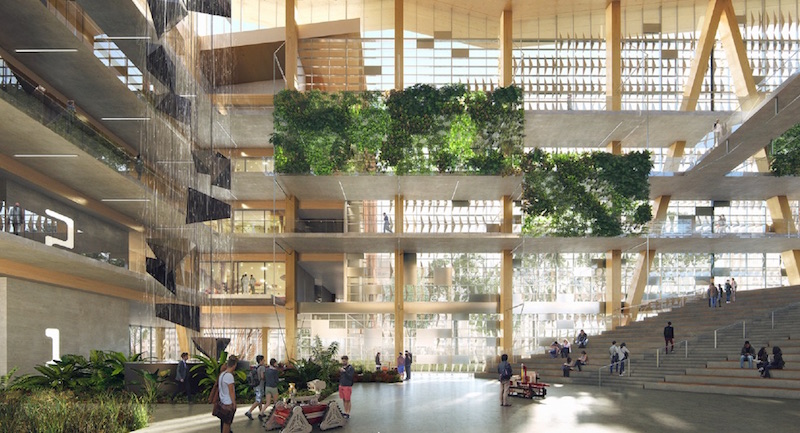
(125, 199)
(45, 155)
(244, 154)
(45, 50)
(118, 119)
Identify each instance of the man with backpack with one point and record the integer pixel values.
(256, 379)
(504, 369)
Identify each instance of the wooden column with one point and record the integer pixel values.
(613, 286)
(506, 49)
(159, 343)
(399, 29)
(291, 305)
(736, 52)
(290, 214)
(507, 304)
(781, 214)
(137, 252)
(613, 56)
(645, 261)
(507, 225)
(399, 303)
(708, 33)
(265, 343)
(290, 69)
(184, 338)
(399, 204)
(614, 147)
(791, 260)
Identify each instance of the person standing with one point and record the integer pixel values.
(378, 361)
(253, 284)
(624, 355)
(227, 393)
(717, 131)
(614, 353)
(182, 377)
(712, 294)
(728, 291)
(733, 289)
(720, 291)
(243, 283)
(407, 364)
(17, 217)
(346, 375)
(387, 225)
(139, 166)
(748, 353)
(505, 371)
(401, 364)
(669, 338)
(261, 371)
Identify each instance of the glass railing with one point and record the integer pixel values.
(714, 227)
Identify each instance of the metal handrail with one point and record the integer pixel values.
(600, 370)
(686, 353)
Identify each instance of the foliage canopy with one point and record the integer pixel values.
(597, 194)
(785, 153)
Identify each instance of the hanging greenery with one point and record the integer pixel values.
(785, 153)
(596, 194)
(421, 129)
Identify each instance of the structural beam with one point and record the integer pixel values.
(291, 305)
(508, 215)
(613, 56)
(613, 286)
(781, 214)
(265, 343)
(645, 261)
(674, 156)
(506, 49)
(290, 214)
(398, 214)
(507, 304)
(291, 46)
(399, 294)
(399, 30)
(708, 34)
(735, 51)
(791, 260)
(614, 147)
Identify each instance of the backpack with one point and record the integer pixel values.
(252, 377)
(506, 374)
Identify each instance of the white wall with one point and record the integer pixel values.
(85, 320)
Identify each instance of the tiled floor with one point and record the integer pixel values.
(460, 403)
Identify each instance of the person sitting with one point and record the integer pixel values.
(566, 367)
(583, 340)
(748, 353)
(582, 360)
(763, 359)
(565, 349)
(777, 362)
(555, 349)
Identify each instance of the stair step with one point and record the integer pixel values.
(725, 389)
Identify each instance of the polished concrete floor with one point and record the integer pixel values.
(460, 403)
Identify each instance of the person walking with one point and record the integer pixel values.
(261, 373)
(712, 294)
(387, 225)
(271, 378)
(407, 364)
(182, 377)
(505, 372)
(227, 393)
(614, 353)
(378, 361)
(669, 338)
(748, 353)
(623, 357)
(17, 217)
(346, 375)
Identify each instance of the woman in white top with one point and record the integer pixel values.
(227, 393)
(565, 349)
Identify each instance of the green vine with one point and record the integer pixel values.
(597, 194)
(421, 129)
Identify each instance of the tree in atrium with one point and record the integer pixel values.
(784, 153)
(588, 194)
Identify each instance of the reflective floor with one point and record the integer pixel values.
(460, 403)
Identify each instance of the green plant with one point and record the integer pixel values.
(784, 153)
(322, 365)
(211, 368)
(5, 380)
(152, 384)
(596, 194)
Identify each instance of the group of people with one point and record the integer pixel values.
(619, 355)
(569, 365)
(765, 362)
(717, 293)
(404, 361)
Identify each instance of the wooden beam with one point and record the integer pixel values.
(613, 56)
(507, 303)
(321, 257)
(708, 33)
(645, 261)
(674, 156)
(781, 213)
(399, 214)
(735, 51)
(290, 318)
(290, 214)
(791, 261)
(506, 49)
(399, 307)
(290, 69)
(243, 100)
(399, 56)
(613, 286)
(508, 215)
(762, 161)
(614, 147)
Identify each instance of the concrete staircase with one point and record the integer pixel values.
(702, 368)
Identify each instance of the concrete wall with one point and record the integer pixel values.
(85, 321)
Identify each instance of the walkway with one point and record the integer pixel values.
(459, 403)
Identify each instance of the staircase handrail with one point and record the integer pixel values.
(686, 352)
(625, 311)
(600, 370)
(744, 325)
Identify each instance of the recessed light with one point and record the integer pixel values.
(125, 199)
(45, 50)
(124, 119)
(45, 155)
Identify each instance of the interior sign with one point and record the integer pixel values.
(69, 242)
